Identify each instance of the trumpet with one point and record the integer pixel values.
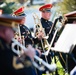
(51, 67)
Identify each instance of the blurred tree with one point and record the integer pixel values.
(7, 8)
(67, 6)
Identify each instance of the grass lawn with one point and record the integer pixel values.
(60, 69)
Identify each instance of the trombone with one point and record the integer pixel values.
(51, 67)
(47, 52)
(62, 20)
(38, 29)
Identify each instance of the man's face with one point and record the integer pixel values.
(46, 15)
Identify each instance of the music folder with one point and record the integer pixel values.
(66, 40)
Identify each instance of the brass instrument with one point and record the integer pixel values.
(51, 67)
(19, 38)
(38, 29)
(60, 19)
(50, 45)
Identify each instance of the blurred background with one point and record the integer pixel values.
(60, 7)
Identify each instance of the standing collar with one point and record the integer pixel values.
(44, 20)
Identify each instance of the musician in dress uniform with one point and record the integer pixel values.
(47, 25)
(10, 63)
(25, 31)
(70, 19)
(45, 17)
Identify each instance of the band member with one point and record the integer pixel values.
(45, 17)
(70, 19)
(25, 31)
(47, 25)
(10, 63)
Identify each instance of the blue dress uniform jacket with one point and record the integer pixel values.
(9, 64)
(29, 39)
(27, 35)
(47, 26)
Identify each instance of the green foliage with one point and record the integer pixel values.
(60, 69)
(8, 8)
(67, 6)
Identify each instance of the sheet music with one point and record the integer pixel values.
(66, 39)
